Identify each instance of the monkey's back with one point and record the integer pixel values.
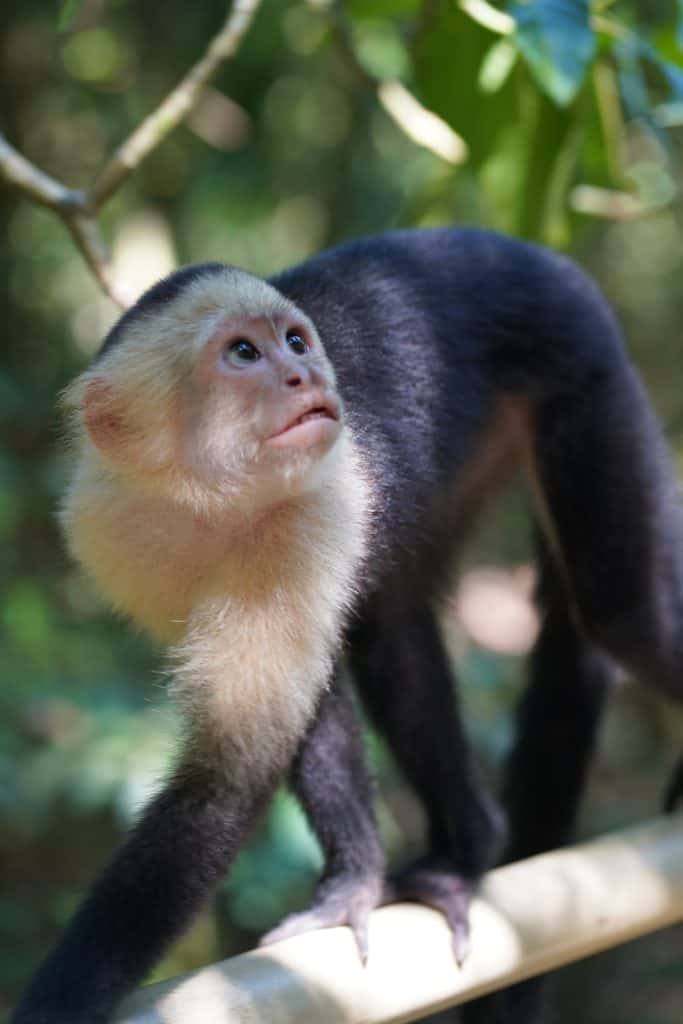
(430, 332)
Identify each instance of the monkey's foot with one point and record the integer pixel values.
(343, 899)
(433, 881)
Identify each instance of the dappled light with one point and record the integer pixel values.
(496, 609)
(143, 250)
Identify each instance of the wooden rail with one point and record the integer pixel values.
(530, 917)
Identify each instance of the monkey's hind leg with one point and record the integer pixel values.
(612, 589)
(330, 778)
(556, 726)
(405, 679)
(614, 505)
(557, 723)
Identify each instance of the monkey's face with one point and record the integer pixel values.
(223, 393)
(262, 405)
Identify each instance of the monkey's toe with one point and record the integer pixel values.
(435, 883)
(338, 901)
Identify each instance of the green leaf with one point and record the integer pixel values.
(672, 73)
(68, 11)
(670, 111)
(631, 79)
(630, 54)
(557, 42)
(379, 47)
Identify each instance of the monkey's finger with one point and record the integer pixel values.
(456, 910)
(436, 885)
(461, 942)
(297, 924)
(358, 923)
(324, 917)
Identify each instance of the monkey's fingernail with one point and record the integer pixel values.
(461, 944)
(360, 934)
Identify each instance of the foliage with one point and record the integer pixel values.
(566, 123)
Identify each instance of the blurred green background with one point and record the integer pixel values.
(564, 130)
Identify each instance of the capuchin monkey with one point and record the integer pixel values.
(272, 475)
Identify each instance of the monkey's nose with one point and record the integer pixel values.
(293, 381)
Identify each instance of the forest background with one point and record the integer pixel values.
(555, 120)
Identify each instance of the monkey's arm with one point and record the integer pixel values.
(157, 881)
(400, 666)
(330, 778)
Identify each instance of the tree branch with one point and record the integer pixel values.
(85, 231)
(78, 209)
(34, 183)
(72, 207)
(177, 105)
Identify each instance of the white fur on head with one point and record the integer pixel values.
(139, 381)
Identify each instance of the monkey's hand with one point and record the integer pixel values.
(674, 788)
(340, 899)
(434, 881)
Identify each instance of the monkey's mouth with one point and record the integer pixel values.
(320, 412)
(317, 425)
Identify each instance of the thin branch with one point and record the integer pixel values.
(33, 182)
(78, 209)
(88, 238)
(489, 16)
(421, 125)
(71, 206)
(177, 105)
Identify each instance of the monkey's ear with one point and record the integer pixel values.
(104, 415)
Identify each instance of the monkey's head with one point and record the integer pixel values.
(213, 386)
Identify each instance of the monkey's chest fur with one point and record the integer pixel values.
(162, 563)
(152, 560)
(255, 608)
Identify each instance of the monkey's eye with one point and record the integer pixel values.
(240, 352)
(296, 342)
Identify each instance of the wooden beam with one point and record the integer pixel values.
(530, 917)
